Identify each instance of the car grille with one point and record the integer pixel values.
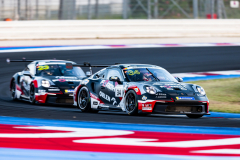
(180, 107)
(64, 100)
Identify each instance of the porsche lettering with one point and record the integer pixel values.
(104, 96)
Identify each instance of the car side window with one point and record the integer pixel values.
(32, 68)
(115, 72)
(26, 69)
(101, 74)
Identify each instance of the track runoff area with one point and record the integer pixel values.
(119, 136)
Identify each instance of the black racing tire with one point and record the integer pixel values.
(32, 94)
(194, 116)
(84, 100)
(13, 91)
(131, 103)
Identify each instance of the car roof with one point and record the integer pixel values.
(52, 61)
(132, 65)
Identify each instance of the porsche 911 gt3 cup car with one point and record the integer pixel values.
(140, 88)
(46, 81)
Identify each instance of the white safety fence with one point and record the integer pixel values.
(104, 29)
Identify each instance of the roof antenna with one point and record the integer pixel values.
(8, 60)
(24, 59)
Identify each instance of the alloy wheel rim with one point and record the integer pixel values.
(83, 99)
(13, 90)
(130, 102)
(32, 94)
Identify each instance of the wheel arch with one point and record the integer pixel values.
(135, 89)
(35, 83)
(11, 81)
(77, 92)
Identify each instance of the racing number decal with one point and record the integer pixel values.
(119, 91)
(46, 67)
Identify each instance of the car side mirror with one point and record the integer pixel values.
(114, 79)
(179, 79)
(27, 73)
(88, 74)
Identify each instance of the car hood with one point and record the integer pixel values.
(169, 87)
(64, 82)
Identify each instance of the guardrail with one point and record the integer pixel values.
(109, 29)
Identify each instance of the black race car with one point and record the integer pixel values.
(140, 88)
(46, 81)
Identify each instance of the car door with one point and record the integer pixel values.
(114, 90)
(26, 80)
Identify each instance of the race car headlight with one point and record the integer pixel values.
(150, 90)
(45, 83)
(201, 90)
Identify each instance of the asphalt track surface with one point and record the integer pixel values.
(175, 60)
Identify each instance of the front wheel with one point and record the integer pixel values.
(131, 103)
(13, 91)
(194, 116)
(84, 100)
(32, 94)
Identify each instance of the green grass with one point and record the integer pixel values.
(223, 94)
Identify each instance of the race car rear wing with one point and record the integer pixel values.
(85, 64)
(8, 60)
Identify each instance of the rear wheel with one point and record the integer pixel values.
(84, 100)
(194, 116)
(32, 94)
(131, 103)
(13, 90)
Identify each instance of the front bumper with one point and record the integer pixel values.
(60, 99)
(174, 107)
(52, 98)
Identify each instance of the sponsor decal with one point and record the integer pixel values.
(185, 98)
(63, 77)
(54, 89)
(146, 106)
(60, 80)
(104, 96)
(169, 86)
(66, 80)
(161, 97)
(41, 91)
(118, 89)
(161, 94)
(110, 86)
(95, 103)
(136, 89)
(144, 98)
(93, 96)
(131, 72)
(114, 101)
(69, 90)
(183, 89)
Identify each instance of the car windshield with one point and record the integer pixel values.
(58, 70)
(148, 74)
